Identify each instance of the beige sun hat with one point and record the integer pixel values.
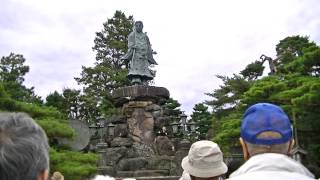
(204, 160)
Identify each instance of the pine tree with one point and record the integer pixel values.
(203, 118)
(109, 71)
(12, 71)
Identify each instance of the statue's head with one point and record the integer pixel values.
(138, 26)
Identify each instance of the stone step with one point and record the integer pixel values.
(143, 173)
(155, 178)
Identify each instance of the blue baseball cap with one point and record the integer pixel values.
(263, 117)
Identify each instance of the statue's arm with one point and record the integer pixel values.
(131, 44)
(148, 41)
(150, 59)
(149, 45)
(131, 41)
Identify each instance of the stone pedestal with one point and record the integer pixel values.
(141, 105)
(158, 95)
(137, 149)
(140, 122)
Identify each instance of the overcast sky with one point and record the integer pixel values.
(194, 39)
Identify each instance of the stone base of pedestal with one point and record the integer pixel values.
(142, 173)
(157, 95)
(158, 178)
(106, 170)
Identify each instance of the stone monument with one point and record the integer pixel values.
(137, 143)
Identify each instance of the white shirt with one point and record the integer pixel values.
(271, 166)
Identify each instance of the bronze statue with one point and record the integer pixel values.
(139, 55)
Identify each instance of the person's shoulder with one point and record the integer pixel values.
(267, 175)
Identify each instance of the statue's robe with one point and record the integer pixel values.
(140, 57)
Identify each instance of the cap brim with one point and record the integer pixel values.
(203, 173)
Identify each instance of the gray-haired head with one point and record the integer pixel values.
(23, 148)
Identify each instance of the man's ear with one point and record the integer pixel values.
(43, 175)
(245, 152)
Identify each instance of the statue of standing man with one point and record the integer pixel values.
(139, 55)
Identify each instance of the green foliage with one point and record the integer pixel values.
(263, 89)
(172, 107)
(73, 165)
(72, 102)
(227, 96)
(299, 90)
(108, 108)
(12, 68)
(293, 44)
(203, 118)
(172, 104)
(56, 127)
(75, 105)
(253, 70)
(228, 136)
(12, 71)
(308, 64)
(110, 71)
(110, 45)
(111, 42)
(226, 100)
(34, 110)
(289, 49)
(48, 118)
(37, 111)
(6, 103)
(58, 101)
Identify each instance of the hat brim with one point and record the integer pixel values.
(203, 173)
